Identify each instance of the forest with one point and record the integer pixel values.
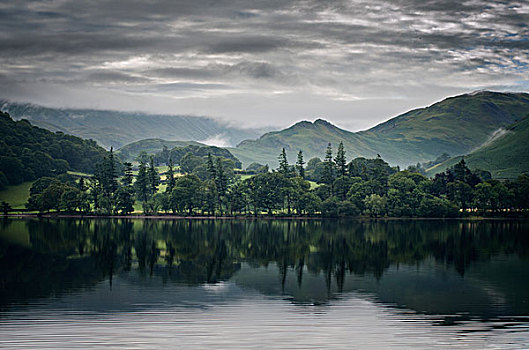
(209, 185)
(28, 152)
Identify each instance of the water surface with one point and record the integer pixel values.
(136, 284)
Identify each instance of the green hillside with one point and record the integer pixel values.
(507, 156)
(131, 151)
(311, 138)
(111, 128)
(178, 154)
(455, 125)
(28, 152)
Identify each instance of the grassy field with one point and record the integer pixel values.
(244, 177)
(313, 184)
(78, 173)
(17, 195)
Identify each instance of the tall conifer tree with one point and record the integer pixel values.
(283, 163)
(211, 168)
(142, 182)
(125, 193)
(300, 165)
(340, 160)
(170, 177)
(221, 182)
(112, 174)
(328, 174)
(154, 178)
(128, 176)
(328, 167)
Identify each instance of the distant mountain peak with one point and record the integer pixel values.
(322, 122)
(479, 92)
(490, 93)
(303, 124)
(306, 123)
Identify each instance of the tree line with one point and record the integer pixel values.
(345, 189)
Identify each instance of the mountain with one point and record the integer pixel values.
(506, 155)
(311, 138)
(131, 151)
(116, 129)
(456, 125)
(28, 152)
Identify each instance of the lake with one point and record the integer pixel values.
(372, 284)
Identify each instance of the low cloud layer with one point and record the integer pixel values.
(260, 63)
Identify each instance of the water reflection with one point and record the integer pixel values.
(459, 269)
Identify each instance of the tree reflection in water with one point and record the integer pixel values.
(65, 254)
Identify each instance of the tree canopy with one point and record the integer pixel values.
(28, 152)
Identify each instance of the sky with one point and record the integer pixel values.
(261, 63)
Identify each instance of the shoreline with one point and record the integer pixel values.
(251, 218)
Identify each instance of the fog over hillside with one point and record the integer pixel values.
(116, 129)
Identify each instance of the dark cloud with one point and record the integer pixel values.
(275, 59)
(247, 44)
(73, 44)
(258, 70)
(243, 69)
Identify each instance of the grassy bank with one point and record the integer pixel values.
(17, 195)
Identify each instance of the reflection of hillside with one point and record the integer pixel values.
(310, 261)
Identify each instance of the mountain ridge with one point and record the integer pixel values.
(117, 128)
(455, 125)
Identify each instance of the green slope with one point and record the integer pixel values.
(111, 128)
(311, 138)
(28, 152)
(16, 195)
(455, 125)
(506, 156)
(130, 151)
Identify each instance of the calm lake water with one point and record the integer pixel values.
(151, 284)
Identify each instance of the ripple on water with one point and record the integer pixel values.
(248, 320)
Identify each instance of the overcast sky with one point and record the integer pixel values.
(255, 63)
